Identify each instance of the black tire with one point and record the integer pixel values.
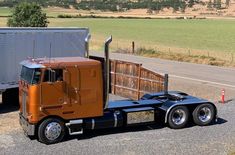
(204, 117)
(175, 114)
(44, 126)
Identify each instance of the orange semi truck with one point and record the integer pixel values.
(70, 94)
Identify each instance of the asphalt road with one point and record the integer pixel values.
(188, 77)
(216, 139)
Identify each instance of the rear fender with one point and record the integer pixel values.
(168, 107)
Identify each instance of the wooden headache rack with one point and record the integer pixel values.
(132, 80)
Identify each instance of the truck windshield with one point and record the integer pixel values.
(30, 75)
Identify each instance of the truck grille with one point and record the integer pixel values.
(24, 106)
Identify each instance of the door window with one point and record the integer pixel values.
(55, 74)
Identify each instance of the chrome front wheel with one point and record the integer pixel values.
(51, 131)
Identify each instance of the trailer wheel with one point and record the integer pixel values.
(178, 117)
(204, 114)
(51, 130)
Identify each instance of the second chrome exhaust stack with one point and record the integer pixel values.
(107, 70)
(87, 39)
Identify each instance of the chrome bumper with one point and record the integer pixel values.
(29, 129)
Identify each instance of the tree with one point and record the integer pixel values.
(27, 15)
(209, 5)
(191, 3)
(218, 4)
(227, 3)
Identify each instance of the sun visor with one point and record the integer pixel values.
(30, 64)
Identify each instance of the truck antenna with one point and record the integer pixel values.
(33, 48)
(50, 55)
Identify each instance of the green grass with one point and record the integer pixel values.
(197, 37)
(4, 11)
(215, 36)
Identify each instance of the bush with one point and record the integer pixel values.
(65, 16)
(27, 15)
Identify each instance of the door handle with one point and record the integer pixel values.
(76, 90)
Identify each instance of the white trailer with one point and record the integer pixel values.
(17, 44)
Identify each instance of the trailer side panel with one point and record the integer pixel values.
(17, 44)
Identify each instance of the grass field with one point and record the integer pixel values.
(195, 37)
(202, 36)
(5, 11)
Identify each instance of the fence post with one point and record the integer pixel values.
(133, 47)
(117, 46)
(166, 84)
(232, 58)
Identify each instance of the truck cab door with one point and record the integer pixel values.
(72, 80)
(53, 89)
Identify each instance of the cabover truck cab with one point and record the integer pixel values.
(16, 44)
(69, 95)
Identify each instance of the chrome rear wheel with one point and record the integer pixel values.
(204, 114)
(178, 117)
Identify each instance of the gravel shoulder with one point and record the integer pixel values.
(218, 138)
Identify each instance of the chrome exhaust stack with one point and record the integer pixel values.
(107, 69)
(87, 39)
(166, 84)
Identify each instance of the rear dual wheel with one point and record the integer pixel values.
(178, 117)
(204, 114)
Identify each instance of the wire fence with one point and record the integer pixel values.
(225, 58)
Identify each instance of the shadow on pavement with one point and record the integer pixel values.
(220, 121)
(5, 108)
(88, 134)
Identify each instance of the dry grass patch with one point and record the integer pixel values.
(233, 153)
(199, 59)
(3, 21)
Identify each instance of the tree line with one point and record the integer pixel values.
(43, 3)
(119, 5)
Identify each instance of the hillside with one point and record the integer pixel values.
(140, 8)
